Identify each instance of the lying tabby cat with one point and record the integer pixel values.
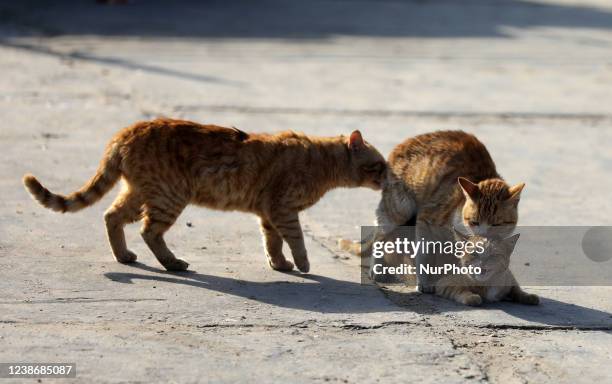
(494, 283)
(168, 164)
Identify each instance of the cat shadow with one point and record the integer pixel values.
(319, 293)
(559, 314)
(549, 313)
(328, 295)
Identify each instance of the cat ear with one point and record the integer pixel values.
(356, 141)
(511, 241)
(470, 190)
(515, 192)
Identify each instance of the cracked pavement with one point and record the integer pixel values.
(531, 79)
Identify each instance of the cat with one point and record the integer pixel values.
(495, 282)
(167, 164)
(444, 179)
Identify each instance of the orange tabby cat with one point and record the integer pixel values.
(495, 282)
(168, 164)
(444, 179)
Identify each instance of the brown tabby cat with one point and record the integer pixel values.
(168, 164)
(445, 179)
(494, 283)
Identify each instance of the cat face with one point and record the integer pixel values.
(368, 165)
(494, 258)
(491, 206)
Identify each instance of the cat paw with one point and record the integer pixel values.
(284, 265)
(126, 258)
(303, 266)
(176, 265)
(473, 300)
(384, 278)
(530, 299)
(425, 288)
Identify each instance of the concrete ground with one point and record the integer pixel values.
(531, 79)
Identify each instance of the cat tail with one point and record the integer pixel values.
(353, 247)
(356, 247)
(106, 177)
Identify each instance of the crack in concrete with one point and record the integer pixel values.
(312, 324)
(385, 324)
(484, 376)
(307, 324)
(534, 327)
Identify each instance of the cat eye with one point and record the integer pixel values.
(473, 223)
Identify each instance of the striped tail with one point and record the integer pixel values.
(103, 181)
(353, 247)
(361, 248)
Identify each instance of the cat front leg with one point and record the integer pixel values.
(468, 298)
(452, 287)
(424, 283)
(288, 225)
(152, 232)
(423, 262)
(273, 244)
(519, 296)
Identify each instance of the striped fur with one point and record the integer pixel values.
(445, 178)
(168, 164)
(107, 175)
(496, 284)
(453, 182)
(445, 174)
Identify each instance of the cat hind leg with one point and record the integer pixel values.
(394, 210)
(273, 245)
(125, 209)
